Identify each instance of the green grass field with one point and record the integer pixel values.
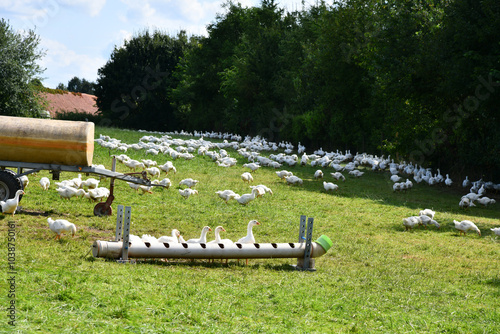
(376, 278)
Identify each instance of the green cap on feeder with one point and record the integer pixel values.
(325, 242)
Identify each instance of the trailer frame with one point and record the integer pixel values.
(26, 168)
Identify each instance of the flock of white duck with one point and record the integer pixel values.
(251, 149)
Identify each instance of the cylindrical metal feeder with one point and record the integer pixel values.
(113, 250)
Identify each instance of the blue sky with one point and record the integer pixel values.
(78, 36)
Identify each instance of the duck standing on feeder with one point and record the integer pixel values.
(203, 237)
(173, 239)
(249, 238)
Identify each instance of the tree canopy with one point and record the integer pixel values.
(133, 87)
(19, 72)
(417, 80)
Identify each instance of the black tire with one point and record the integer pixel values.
(9, 185)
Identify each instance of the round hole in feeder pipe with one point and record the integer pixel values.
(256, 245)
(166, 244)
(203, 245)
(185, 245)
(274, 245)
(147, 244)
(291, 244)
(239, 246)
(221, 246)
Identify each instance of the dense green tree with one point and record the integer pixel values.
(19, 72)
(198, 95)
(78, 85)
(133, 87)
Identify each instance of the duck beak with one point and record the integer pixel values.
(257, 223)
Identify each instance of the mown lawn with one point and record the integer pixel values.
(375, 278)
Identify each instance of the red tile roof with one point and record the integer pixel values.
(71, 102)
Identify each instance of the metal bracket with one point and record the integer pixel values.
(119, 223)
(302, 228)
(123, 231)
(126, 232)
(305, 235)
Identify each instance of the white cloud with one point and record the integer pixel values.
(62, 64)
(91, 7)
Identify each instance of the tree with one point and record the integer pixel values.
(18, 72)
(133, 87)
(78, 85)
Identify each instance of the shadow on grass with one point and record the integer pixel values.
(202, 263)
(377, 186)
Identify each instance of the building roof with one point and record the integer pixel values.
(71, 102)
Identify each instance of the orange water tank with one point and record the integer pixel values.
(46, 141)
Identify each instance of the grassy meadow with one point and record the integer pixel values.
(376, 278)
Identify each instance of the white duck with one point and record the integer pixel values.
(149, 238)
(68, 192)
(410, 222)
(134, 164)
(247, 198)
(59, 226)
(153, 171)
(395, 178)
(218, 239)
(427, 212)
(97, 194)
(203, 236)
(485, 201)
(337, 176)
(266, 189)
(283, 174)
(496, 230)
(253, 166)
(189, 182)
(187, 192)
(45, 183)
(318, 174)
(24, 180)
(167, 167)
(77, 181)
(466, 225)
(448, 181)
(91, 183)
(173, 239)
(227, 195)
(426, 220)
(356, 173)
(134, 186)
(146, 189)
(10, 205)
(294, 180)
(466, 182)
(164, 182)
(249, 238)
(330, 186)
(247, 177)
(466, 202)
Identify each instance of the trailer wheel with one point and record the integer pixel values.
(101, 210)
(9, 185)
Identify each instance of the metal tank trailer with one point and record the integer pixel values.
(33, 144)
